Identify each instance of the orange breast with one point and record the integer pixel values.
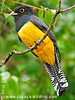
(30, 33)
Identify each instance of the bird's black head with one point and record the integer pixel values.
(21, 15)
(22, 10)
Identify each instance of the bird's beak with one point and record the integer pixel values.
(13, 13)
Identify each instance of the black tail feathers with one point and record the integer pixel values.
(58, 78)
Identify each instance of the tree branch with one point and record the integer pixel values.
(39, 41)
(30, 6)
(59, 5)
(68, 9)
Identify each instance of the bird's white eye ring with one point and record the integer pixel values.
(21, 10)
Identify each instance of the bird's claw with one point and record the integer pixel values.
(38, 42)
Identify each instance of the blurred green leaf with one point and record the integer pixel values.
(48, 17)
(6, 15)
(41, 14)
(5, 76)
(3, 1)
(9, 19)
(3, 7)
(15, 79)
(54, 2)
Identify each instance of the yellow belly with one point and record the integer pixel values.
(30, 33)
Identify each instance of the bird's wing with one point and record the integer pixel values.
(43, 27)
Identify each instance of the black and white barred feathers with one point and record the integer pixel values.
(58, 78)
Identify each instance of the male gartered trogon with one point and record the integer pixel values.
(30, 28)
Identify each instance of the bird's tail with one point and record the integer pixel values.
(58, 78)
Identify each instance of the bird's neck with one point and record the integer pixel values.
(20, 21)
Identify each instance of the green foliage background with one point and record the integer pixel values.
(25, 75)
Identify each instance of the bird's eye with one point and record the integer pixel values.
(21, 10)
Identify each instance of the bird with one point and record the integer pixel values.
(30, 29)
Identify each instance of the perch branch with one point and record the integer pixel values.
(39, 41)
